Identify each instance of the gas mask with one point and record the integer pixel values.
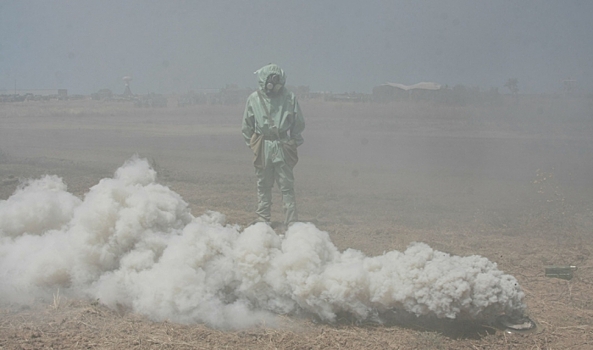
(273, 85)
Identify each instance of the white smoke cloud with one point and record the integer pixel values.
(133, 243)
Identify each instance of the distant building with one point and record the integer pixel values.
(36, 92)
(393, 92)
(33, 95)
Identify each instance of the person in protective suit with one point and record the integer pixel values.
(272, 127)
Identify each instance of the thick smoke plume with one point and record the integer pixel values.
(133, 243)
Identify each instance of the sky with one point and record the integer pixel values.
(337, 46)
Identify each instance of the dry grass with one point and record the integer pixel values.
(521, 220)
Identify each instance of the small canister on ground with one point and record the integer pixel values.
(563, 272)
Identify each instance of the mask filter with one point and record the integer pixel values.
(273, 83)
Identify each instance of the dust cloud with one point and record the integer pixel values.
(133, 243)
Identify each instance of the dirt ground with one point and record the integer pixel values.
(511, 182)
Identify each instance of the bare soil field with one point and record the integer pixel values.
(511, 182)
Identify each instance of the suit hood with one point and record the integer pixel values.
(264, 72)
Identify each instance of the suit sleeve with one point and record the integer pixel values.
(248, 123)
(299, 124)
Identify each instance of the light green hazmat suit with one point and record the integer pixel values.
(272, 127)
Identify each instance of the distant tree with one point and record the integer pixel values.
(513, 85)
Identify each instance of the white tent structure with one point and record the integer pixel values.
(393, 91)
(419, 86)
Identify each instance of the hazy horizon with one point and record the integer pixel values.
(175, 47)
